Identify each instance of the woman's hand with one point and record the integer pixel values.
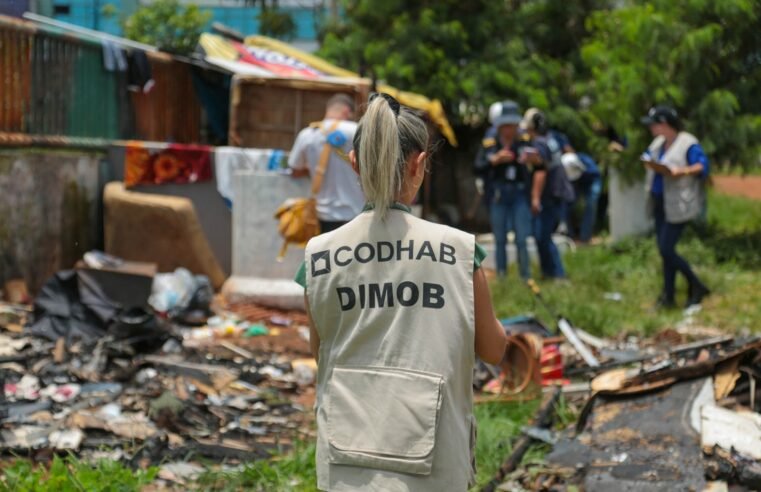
(501, 157)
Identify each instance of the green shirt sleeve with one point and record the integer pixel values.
(301, 275)
(478, 257)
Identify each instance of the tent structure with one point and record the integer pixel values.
(266, 57)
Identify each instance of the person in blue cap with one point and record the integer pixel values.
(505, 165)
(677, 168)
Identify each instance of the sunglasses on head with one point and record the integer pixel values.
(393, 103)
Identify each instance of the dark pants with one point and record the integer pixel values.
(588, 188)
(327, 226)
(667, 235)
(545, 223)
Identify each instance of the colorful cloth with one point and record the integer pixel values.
(172, 163)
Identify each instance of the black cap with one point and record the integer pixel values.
(662, 114)
(510, 114)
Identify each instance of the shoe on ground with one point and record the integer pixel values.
(696, 295)
(665, 302)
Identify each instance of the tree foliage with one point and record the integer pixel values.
(275, 22)
(590, 64)
(700, 56)
(167, 25)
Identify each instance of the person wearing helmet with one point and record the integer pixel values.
(584, 174)
(503, 164)
(557, 192)
(677, 168)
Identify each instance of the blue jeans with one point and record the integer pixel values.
(545, 224)
(589, 189)
(667, 236)
(509, 210)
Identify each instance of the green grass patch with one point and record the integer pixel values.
(294, 471)
(498, 425)
(71, 475)
(725, 252)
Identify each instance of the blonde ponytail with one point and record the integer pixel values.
(383, 142)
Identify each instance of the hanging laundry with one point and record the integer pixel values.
(139, 72)
(114, 58)
(230, 160)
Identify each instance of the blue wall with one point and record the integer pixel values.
(14, 8)
(88, 13)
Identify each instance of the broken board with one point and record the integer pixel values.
(729, 429)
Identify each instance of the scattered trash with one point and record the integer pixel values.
(613, 296)
(256, 330)
(66, 439)
(16, 291)
(305, 371)
(82, 373)
(180, 472)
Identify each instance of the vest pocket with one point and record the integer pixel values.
(383, 418)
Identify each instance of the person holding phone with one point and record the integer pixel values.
(677, 168)
(505, 164)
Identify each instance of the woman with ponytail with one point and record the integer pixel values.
(399, 308)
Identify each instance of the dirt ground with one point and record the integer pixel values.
(747, 186)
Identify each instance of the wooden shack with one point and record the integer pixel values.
(269, 113)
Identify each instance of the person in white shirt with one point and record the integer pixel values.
(340, 197)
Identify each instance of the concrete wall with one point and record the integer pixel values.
(627, 207)
(49, 211)
(257, 274)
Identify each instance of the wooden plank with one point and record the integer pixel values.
(727, 429)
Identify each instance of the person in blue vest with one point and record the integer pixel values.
(677, 168)
(508, 169)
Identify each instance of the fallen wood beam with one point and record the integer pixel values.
(543, 419)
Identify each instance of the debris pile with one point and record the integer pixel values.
(82, 373)
(660, 415)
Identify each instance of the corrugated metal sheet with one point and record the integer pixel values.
(55, 84)
(170, 112)
(23, 139)
(15, 74)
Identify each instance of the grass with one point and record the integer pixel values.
(726, 253)
(293, 472)
(68, 474)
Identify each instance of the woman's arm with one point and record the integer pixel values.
(490, 336)
(314, 337)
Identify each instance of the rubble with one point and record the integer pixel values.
(83, 374)
(661, 413)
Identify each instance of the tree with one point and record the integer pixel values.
(590, 64)
(703, 57)
(168, 26)
(468, 54)
(273, 21)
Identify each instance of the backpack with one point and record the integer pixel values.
(297, 217)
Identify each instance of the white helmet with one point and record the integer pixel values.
(495, 110)
(573, 166)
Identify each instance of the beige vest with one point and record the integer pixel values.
(392, 301)
(683, 197)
